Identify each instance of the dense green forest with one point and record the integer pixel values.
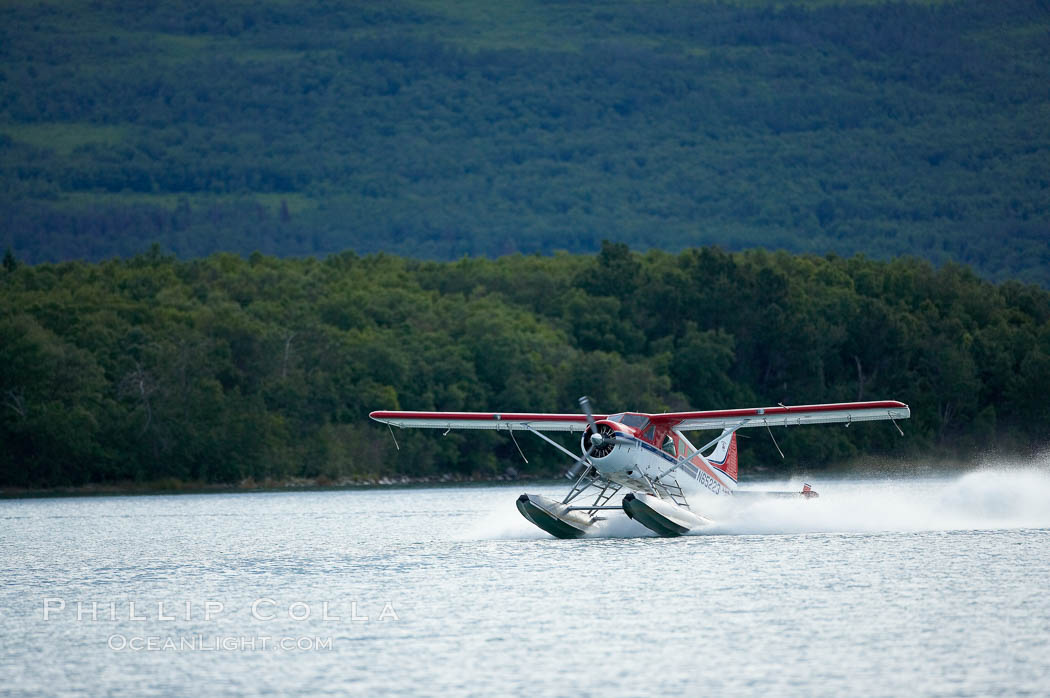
(225, 368)
(438, 129)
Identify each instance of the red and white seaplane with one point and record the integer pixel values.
(648, 455)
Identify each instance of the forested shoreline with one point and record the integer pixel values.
(227, 369)
(436, 130)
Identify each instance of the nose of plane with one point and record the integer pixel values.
(599, 443)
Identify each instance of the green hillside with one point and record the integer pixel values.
(224, 368)
(438, 129)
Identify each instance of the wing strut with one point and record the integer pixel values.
(558, 446)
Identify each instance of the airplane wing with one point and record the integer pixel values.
(485, 420)
(781, 415)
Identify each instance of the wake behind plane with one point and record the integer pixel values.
(661, 479)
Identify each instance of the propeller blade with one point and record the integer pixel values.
(585, 461)
(585, 457)
(585, 405)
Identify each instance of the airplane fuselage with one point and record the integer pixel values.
(635, 461)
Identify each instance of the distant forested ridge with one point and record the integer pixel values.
(225, 368)
(437, 129)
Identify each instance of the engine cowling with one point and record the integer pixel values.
(603, 445)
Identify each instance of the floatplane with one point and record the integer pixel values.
(663, 477)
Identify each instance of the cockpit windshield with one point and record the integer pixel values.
(635, 421)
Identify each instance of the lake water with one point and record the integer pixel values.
(880, 587)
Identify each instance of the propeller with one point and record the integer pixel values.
(585, 405)
(599, 441)
(592, 441)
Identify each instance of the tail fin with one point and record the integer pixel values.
(724, 456)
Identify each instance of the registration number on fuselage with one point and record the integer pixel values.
(710, 483)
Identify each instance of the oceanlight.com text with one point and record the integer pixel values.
(216, 643)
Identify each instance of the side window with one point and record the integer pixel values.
(669, 445)
(649, 434)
